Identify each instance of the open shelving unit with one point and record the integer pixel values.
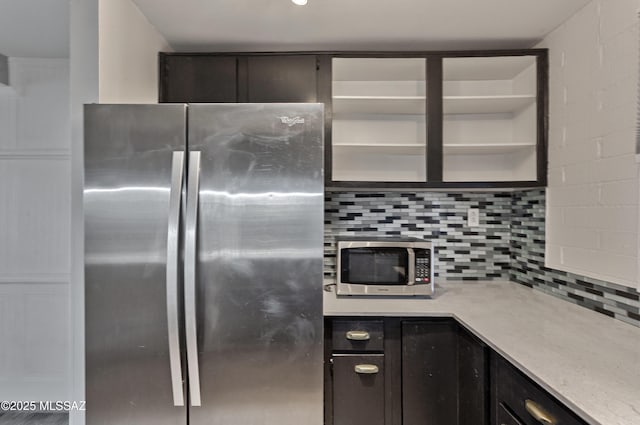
(379, 119)
(489, 119)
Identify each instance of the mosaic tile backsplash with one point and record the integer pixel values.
(468, 253)
(527, 266)
(508, 244)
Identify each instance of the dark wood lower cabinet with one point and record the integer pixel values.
(505, 417)
(358, 390)
(431, 372)
(473, 380)
(427, 372)
(524, 401)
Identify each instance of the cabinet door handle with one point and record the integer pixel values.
(538, 413)
(358, 335)
(367, 369)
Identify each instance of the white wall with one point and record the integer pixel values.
(128, 49)
(84, 89)
(34, 231)
(592, 199)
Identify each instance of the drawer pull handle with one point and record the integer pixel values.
(366, 369)
(538, 413)
(358, 335)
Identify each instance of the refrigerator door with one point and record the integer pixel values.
(131, 223)
(258, 269)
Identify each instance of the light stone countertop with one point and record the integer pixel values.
(589, 361)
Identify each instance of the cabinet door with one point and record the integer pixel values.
(358, 336)
(358, 390)
(526, 400)
(281, 78)
(429, 373)
(191, 79)
(505, 417)
(473, 380)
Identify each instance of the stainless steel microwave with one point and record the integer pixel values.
(384, 266)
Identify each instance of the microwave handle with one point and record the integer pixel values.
(412, 266)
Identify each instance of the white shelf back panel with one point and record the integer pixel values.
(525, 127)
(486, 104)
(358, 165)
(478, 88)
(372, 129)
(379, 88)
(377, 149)
(526, 81)
(379, 69)
(479, 128)
(488, 68)
(414, 105)
(519, 165)
(485, 149)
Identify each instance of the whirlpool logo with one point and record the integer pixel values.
(291, 121)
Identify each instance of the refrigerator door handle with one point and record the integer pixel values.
(173, 245)
(190, 250)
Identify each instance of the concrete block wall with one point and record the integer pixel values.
(592, 199)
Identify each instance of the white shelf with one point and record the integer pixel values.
(385, 148)
(411, 105)
(486, 104)
(485, 148)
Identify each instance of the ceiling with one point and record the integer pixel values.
(276, 25)
(34, 28)
(40, 28)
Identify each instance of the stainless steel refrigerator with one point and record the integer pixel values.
(203, 264)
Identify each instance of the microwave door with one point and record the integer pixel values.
(411, 266)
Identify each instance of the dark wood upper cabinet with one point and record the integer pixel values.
(458, 119)
(210, 78)
(198, 79)
(281, 79)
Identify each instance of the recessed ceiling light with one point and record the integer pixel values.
(300, 2)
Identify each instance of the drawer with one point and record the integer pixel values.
(358, 390)
(358, 336)
(526, 400)
(505, 417)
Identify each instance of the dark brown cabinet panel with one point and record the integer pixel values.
(358, 390)
(357, 336)
(523, 399)
(198, 78)
(473, 379)
(505, 417)
(429, 373)
(291, 78)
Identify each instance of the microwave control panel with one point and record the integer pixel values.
(423, 265)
